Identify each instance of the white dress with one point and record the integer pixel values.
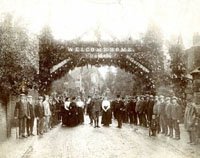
(66, 105)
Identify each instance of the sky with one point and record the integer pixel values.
(107, 19)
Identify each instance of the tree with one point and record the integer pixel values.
(178, 68)
(121, 83)
(46, 59)
(18, 58)
(153, 52)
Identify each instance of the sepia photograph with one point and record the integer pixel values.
(99, 78)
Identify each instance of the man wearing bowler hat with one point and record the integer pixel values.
(30, 122)
(39, 113)
(119, 107)
(22, 112)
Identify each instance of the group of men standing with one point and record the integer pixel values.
(163, 113)
(44, 110)
(139, 110)
(24, 111)
(166, 111)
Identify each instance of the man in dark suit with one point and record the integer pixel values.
(53, 112)
(131, 111)
(119, 108)
(150, 109)
(39, 113)
(96, 109)
(30, 122)
(22, 112)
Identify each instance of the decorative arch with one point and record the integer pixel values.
(57, 58)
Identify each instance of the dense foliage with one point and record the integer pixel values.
(178, 69)
(18, 57)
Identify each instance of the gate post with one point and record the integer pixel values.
(196, 89)
(196, 85)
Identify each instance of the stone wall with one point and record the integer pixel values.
(10, 114)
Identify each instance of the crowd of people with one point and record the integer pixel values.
(46, 110)
(159, 114)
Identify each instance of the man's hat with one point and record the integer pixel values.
(151, 96)
(73, 98)
(189, 97)
(40, 97)
(174, 97)
(22, 95)
(118, 96)
(167, 98)
(161, 96)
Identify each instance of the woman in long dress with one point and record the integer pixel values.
(106, 115)
(80, 106)
(66, 112)
(73, 113)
